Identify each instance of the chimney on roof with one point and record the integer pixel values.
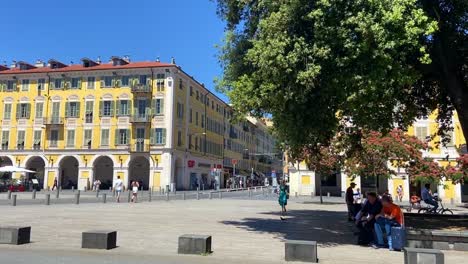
(98, 60)
(39, 63)
(173, 60)
(157, 59)
(13, 64)
(126, 58)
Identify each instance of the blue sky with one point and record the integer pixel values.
(142, 29)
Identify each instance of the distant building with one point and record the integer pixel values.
(305, 181)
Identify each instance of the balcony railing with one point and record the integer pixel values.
(141, 88)
(139, 147)
(144, 118)
(53, 120)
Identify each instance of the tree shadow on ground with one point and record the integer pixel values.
(328, 228)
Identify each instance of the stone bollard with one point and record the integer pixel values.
(97, 193)
(13, 203)
(250, 193)
(194, 244)
(150, 196)
(104, 198)
(298, 250)
(160, 190)
(312, 195)
(48, 188)
(57, 193)
(34, 194)
(167, 196)
(263, 192)
(73, 188)
(452, 201)
(85, 189)
(9, 195)
(77, 198)
(110, 189)
(15, 235)
(47, 199)
(220, 195)
(423, 256)
(129, 196)
(183, 196)
(198, 195)
(60, 188)
(295, 194)
(211, 195)
(255, 189)
(328, 194)
(99, 239)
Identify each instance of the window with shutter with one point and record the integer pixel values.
(54, 135)
(107, 82)
(5, 139)
(7, 112)
(39, 110)
(37, 139)
(105, 137)
(21, 137)
(90, 83)
(88, 135)
(70, 138)
(89, 112)
(125, 81)
(190, 116)
(421, 133)
(24, 85)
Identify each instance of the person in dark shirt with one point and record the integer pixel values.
(365, 219)
(349, 197)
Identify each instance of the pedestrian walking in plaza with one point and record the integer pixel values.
(55, 184)
(350, 201)
(135, 187)
(98, 185)
(118, 187)
(400, 193)
(283, 198)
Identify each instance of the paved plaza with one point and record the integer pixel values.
(243, 230)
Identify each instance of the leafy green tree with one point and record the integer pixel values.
(311, 64)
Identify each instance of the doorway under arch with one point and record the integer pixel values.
(68, 171)
(103, 170)
(36, 164)
(139, 170)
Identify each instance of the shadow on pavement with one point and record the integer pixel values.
(329, 228)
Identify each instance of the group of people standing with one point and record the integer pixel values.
(375, 216)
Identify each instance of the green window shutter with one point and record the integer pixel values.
(89, 106)
(67, 109)
(117, 107)
(163, 136)
(101, 108)
(149, 81)
(153, 107)
(112, 108)
(161, 107)
(28, 111)
(78, 114)
(153, 136)
(128, 136)
(102, 81)
(79, 83)
(2, 86)
(18, 111)
(63, 84)
(116, 138)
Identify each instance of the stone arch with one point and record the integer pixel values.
(69, 172)
(139, 170)
(5, 161)
(37, 164)
(103, 170)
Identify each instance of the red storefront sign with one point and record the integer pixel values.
(191, 163)
(219, 166)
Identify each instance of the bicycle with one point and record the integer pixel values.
(430, 209)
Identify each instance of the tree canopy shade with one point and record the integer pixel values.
(378, 62)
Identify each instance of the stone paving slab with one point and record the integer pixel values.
(243, 230)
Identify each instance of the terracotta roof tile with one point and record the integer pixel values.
(79, 67)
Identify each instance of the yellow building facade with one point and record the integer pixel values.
(304, 182)
(144, 121)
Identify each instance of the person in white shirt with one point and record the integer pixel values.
(118, 186)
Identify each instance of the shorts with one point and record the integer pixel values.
(118, 191)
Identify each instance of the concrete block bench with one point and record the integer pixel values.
(423, 256)
(99, 239)
(437, 239)
(15, 235)
(194, 244)
(300, 250)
